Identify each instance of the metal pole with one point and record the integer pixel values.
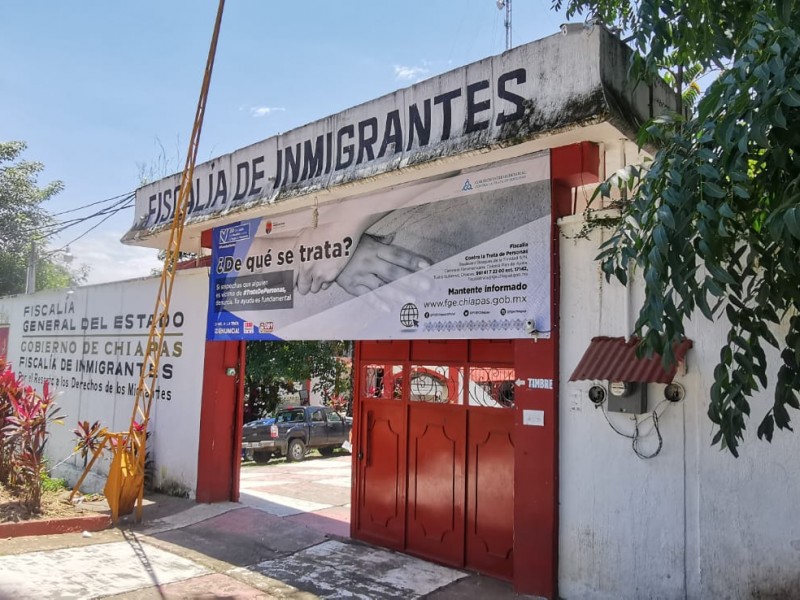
(30, 280)
(508, 24)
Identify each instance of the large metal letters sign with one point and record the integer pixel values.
(465, 256)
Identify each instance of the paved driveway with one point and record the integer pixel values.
(225, 550)
(315, 492)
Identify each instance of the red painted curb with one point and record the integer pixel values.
(51, 526)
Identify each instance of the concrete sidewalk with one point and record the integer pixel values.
(188, 550)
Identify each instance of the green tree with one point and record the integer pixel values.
(22, 220)
(712, 222)
(272, 367)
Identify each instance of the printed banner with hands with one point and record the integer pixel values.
(376, 262)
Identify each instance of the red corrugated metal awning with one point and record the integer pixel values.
(614, 359)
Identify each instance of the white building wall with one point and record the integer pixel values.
(693, 522)
(109, 324)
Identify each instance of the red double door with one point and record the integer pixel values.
(434, 451)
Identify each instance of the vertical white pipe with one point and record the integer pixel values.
(628, 284)
(30, 280)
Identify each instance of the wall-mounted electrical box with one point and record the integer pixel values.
(627, 397)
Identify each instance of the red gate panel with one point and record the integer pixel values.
(382, 499)
(436, 469)
(219, 451)
(490, 492)
(435, 452)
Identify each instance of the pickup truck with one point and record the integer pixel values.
(296, 430)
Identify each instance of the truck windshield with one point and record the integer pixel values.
(291, 416)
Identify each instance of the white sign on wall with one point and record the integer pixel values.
(90, 346)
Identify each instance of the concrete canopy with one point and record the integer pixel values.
(569, 87)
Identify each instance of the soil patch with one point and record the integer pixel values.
(54, 506)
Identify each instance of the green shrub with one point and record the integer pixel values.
(52, 484)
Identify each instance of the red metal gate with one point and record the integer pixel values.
(435, 454)
(380, 480)
(436, 469)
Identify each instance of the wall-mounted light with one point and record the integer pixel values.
(674, 392)
(597, 394)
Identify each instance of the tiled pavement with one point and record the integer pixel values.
(288, 539)
(315, 492)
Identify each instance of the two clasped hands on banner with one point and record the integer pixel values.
(367, 263)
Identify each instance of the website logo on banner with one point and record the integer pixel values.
(500, 180)
(409, 315)
(228, 236)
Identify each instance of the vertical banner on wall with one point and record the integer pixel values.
(464, 256)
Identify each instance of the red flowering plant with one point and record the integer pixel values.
(89, 438)
(25, 431)
(9, 385)
(338, 402)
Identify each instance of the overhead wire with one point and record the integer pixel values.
(93, 227)
(114, 208)
(122, 199)
(72, 210)
(114, 205)
(122, 202)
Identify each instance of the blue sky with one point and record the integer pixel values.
(105, 92)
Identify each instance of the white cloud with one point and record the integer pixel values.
(407, 73)
(264, 111)
(111, 260)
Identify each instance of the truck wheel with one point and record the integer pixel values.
(327, 450)
(296, 452)
(262, 457)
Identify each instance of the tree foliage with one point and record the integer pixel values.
(22, 221)
(713, 220)
(272, 367)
